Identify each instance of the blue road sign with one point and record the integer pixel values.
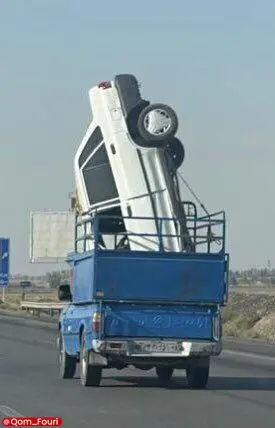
(4, 262)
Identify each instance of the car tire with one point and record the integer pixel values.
(164, 374)
(175, 151)
(67, 363)
(198, 373)
(89, 375)
(157, 123)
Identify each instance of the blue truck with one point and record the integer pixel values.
(148, 309)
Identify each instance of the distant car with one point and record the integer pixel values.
(126, 163)
(25, 284)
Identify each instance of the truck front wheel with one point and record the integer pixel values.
(164, 374)
(67, 363)
(198, 373)
(89, 375)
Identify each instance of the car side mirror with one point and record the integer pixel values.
(64, 292)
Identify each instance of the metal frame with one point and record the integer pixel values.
(199, 227)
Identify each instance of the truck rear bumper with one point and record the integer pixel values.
(156, 348)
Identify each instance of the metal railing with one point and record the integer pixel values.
(199, 229)
(45, 307)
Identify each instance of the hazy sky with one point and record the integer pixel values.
(213, 61)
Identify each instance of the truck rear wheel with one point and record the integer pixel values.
(67, 363)
(164, 374)
(89, 375)
(198, 373)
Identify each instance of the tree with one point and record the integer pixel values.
(54, 278)
(232, 278)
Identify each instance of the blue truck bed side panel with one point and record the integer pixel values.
(149, 276)
(83, 277)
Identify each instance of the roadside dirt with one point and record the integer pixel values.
(250, 316)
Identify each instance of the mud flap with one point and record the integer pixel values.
(96, 359)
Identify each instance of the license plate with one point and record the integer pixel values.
(159, 347)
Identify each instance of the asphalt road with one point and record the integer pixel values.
(241, 391)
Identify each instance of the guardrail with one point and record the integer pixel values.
(38, 307)
(29, 290)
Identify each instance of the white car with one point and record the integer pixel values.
(126, 164)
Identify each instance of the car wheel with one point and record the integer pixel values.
(198, 373)
(157, 123)
(89, 375)
(67, 363)
(175, 151)
(164, 374)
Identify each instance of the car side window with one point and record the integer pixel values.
(98, 177)
(95, 139)
(100, 157)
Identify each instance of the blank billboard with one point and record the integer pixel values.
(51, 236)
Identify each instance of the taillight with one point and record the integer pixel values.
(96, 322)
(105, 85)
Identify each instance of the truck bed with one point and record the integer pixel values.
(149, 277)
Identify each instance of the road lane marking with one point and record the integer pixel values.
(8, 411)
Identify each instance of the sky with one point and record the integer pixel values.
(212, 61)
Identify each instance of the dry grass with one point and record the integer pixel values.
(13, 300)
(253, 289)
(250, 315)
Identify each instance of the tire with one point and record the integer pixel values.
(89, 375)
(198, 373)
(165, 115)
(64, 292)
(67, 363)
(164, 374)
(175, 150)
